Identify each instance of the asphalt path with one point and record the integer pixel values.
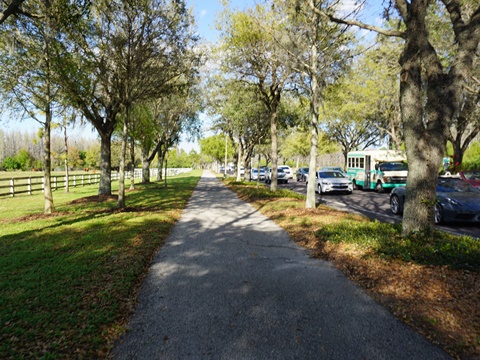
(375, 206)
(230, 284)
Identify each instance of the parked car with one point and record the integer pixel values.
(302, 174)
(328, 181)
(242, 170)
(457, 200)
(472, 176)
(334, 168)
(281, 176)
(287, 170)
(254, 174)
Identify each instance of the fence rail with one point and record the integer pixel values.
(34, 184)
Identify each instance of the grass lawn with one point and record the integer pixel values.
(68, 281)
(430, 283)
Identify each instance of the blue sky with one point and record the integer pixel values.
(206, 12)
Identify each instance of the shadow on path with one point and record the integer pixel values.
(230, 284)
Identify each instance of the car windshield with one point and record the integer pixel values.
(472, 175)
(280, 170)
(455, 185)
(393, 166)
(331, 174)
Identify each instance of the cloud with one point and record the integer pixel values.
(203, 13)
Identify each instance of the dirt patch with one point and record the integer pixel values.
(94, 199)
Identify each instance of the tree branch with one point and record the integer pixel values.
(13, 8)
(392, 33)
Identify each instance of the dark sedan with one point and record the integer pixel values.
(302, 174)
(457, 200)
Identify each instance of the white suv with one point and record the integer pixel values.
(287, 170)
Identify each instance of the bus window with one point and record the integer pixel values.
(393, 166)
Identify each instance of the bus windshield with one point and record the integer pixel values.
(393, 166)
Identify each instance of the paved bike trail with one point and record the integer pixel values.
(230, 284)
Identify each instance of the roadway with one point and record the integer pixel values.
(374, 206)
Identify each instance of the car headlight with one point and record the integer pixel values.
(326, 183)
(387, 179)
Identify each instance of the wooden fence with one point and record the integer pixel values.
(34, 184)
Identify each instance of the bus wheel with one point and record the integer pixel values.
(379, 188)
(355, 185)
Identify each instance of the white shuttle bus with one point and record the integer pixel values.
(379, 170)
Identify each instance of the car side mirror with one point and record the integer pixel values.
(376, 166)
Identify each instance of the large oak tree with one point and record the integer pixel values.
(432, 91)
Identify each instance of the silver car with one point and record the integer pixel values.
(281, 176)
(328, 181)
(288, 171)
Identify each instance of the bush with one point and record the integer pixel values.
(10, 163)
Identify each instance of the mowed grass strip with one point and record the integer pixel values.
(431, 283)
(68, 281)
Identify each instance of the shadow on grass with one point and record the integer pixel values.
(67, 281)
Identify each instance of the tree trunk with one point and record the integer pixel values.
(314, 107)
(105, 187)
(226, 156)
(123, 155)
(65, 138)
(161, 158)
(425, 138)
(132, 160)
(464, 130)
(273, 135)
(457, 157)
(165, 177)
(47, 163)
(145, 168)
(311, 199)
(239, 162)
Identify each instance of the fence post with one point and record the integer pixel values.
(12, 187)
(54, 183)
(74, 180)
(29, 185)
(83, 180)
(43, 184)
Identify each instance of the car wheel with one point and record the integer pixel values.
(395, 205)
(379, 188)
(320, 191)
(355, 185)
(438, 214)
